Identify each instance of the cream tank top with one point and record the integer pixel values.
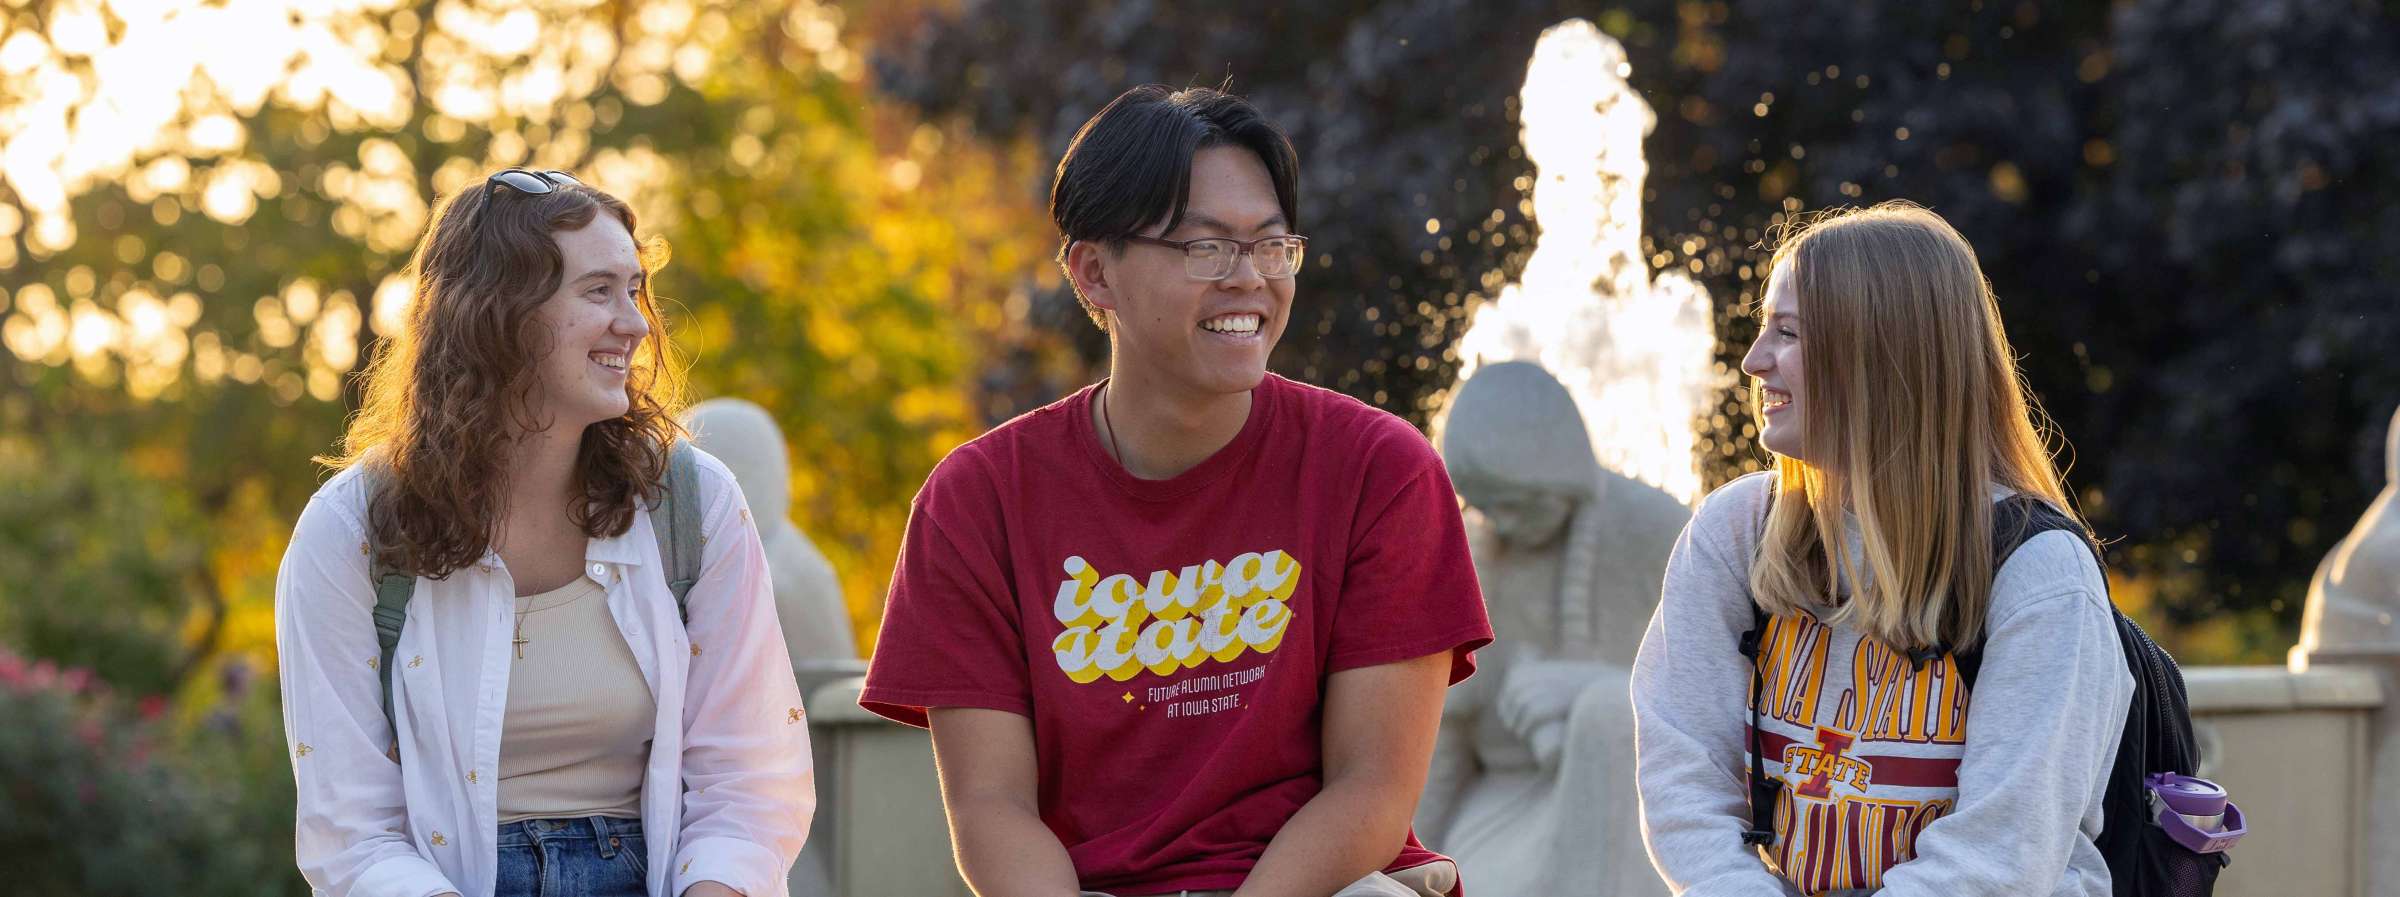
(576, 732)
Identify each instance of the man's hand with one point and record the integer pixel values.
(710, 889)
(1378, 735)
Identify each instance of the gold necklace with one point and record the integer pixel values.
(519, 639)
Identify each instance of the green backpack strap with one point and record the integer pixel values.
(392, 591)
(675, 521)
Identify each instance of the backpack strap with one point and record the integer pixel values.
(1764, 792)
(393, 588)
(675, 521)
(392, 591)
(2015, 521)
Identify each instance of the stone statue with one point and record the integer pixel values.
(808, 598)
(1532, 788)
(2354, 600)
(2353, 617)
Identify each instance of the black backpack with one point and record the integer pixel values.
(2142, 860)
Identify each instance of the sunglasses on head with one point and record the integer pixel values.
(522, 180)
(528, 181)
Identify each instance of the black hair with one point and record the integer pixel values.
(1130, 166)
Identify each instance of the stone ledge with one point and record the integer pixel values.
(2271, 689)
(2243, 689)
(836, 704)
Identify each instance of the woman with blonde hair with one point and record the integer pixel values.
(527, 637)
(1861, 573)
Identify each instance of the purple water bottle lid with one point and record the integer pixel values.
(2188, 796)
(2195, 813)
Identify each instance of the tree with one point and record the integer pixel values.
(206, 212)
(192, 303)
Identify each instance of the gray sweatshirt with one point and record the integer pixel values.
(1892, 778)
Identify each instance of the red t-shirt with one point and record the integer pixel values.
(1170, 639)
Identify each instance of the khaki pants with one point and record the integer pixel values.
(1435, 879)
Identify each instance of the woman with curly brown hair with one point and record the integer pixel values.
(527, 637)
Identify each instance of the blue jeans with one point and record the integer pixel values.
(591, 857)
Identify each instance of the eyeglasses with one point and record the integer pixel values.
(1213, 258)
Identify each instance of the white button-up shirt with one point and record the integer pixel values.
(728, 790)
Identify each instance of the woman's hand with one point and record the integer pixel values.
(710, 889)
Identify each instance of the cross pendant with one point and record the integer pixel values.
(520, 641)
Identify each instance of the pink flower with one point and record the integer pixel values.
(45, 674)
(152, 707)
(76, 680)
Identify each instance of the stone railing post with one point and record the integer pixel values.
(2380, 866)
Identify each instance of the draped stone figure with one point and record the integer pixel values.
(1532, 788)
(808, 597)
(2353, 617)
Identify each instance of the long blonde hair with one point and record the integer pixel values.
(1914, 410)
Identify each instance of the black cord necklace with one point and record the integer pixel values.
(1111, 426)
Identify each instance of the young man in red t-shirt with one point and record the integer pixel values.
(1189, 628)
